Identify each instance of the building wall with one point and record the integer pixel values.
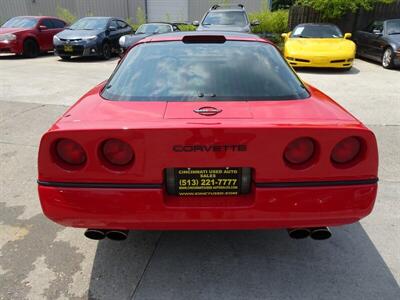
(80, 8)
(119, 8)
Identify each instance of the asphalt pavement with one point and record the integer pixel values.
(42, 260)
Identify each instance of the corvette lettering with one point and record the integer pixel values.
(209, 148)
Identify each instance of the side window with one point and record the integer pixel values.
(47, 23)
(58, 23)
(122, 24)
(114, 24)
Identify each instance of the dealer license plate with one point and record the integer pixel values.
(208, 181)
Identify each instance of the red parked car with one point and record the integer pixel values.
(206, 131)
(29, 36)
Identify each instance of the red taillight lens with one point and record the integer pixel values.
(346, 150)
(117, 152)
(70, 152)
(299, 151)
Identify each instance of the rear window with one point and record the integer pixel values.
(230, 71)
(226, 18)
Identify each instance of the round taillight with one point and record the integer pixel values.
(70, 152)
(117, 152)
(299, 151)
(346, 150)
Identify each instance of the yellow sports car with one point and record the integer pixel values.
(319, 46)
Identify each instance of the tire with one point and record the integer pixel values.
(388, 58)
(106, 51)
(65, 57)
(31, 49)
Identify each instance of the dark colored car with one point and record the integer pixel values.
(29, 35)
(225, 18)
(380, 41)
(146, 30)
(91, 36)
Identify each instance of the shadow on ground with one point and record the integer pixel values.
(87, 59)
(20, 57)
(242, 265)
(328, 71)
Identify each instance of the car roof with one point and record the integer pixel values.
(178, 36)
(226, 9)
(37, 17)
(317, 24)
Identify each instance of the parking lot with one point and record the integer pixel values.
(41, 260)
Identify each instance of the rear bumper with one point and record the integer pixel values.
(151, 209)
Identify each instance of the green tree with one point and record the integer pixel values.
(140, 16)
(65, 14)
(332, 9)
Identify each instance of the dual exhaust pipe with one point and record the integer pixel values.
(317, 233)
(100, 234)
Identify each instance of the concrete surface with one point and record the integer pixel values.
(41, 260)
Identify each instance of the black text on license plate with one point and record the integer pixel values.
(208, 181)
(68, 48)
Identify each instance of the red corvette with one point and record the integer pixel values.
(212, 131)
(29, 36)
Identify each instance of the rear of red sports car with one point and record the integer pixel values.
(196, 132)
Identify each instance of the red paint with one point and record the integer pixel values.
(44, 38)
(152, 129)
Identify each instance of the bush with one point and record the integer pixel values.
(271, 22)
(65, 14)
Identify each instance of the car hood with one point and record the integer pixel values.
(13, 30)
(320, 46)
(131, 39)
(77, 34)
(223, 28)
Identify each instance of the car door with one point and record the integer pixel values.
(374, 40)
(45, 34)
(114, 33)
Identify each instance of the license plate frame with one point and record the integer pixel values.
(218, 181)
(68, 48)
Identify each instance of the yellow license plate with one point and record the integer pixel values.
(68, 48)
(208, 181)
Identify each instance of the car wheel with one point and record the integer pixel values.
(31, 49)
(65, 57)
(106, 51)
(388, 58)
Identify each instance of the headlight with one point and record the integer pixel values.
(90, 38)
(8, 37)
(56, 39)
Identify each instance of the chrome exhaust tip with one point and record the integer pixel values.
(95, 234)
(298, 233)
(320, 233)
(117, 235)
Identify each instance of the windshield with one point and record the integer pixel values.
(317, 31)
(231, 71)
(393, 26)
(20, 23)
(89, 24)
(153, 28)
(227, 18)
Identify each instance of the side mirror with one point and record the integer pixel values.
(196, 23)
(42, 27)
(285, 36)
(348, 36)
(255, 23)
(377, 32)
